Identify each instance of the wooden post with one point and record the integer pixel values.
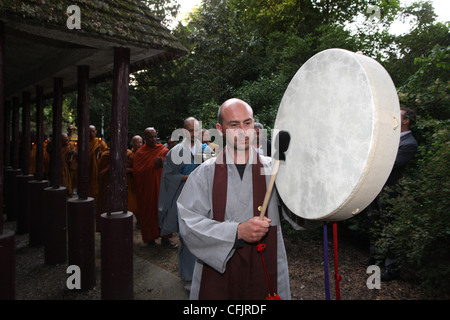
(8, 170)
(2, 123)
(39, 133)
(56, 169)
(117, 227)
(55, 196)
(23, 203)
(81, 211)
(26, 134)
(7, 237)
(37, 186)
(83, 133)
(7, 135)
(15, 134)
(119, 132)
(12, 174)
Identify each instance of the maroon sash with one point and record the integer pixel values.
(244, 277)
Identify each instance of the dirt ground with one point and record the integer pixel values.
(306, 271)
(37, 281)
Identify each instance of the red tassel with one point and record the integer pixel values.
(274, 297)
(260, 247)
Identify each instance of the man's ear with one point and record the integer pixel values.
(219, 128)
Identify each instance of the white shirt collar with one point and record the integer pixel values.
(404, 133)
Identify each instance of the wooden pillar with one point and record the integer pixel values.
(39, 175)
(37, 186)
(119, 132)
(83, 133)
(15, 134)
(23, 203)
(55, 196)
(7, 237)
(15, 170)
(8, 170)
(7, 135)
(81, 211)
(117, 227)
(56, 168)
(26, 134)
(2, 123)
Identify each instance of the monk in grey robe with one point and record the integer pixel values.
(218, 218)
(178, 164)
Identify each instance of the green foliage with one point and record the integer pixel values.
(252, 49)
(419, 233)
(427, 89)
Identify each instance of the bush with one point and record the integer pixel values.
(419, 231)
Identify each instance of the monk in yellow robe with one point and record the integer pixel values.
(96, 147)
(147, 169)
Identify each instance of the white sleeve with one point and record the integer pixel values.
(209, 240)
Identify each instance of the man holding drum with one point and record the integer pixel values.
(219, 218)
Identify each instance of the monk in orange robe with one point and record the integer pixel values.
(33, 158)
(96, 147)
(147, 169)
(66, 152)
(73, 163)
(46, 159)
(136, 143)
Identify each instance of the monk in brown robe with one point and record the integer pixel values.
(96, 147)
(147, 169)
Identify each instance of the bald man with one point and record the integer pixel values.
(219, 218)
(147, 169)
(175, 173)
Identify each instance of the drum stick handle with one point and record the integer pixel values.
(269, 189)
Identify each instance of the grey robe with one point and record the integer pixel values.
(212, 241)
(170, 188)
(171, 184)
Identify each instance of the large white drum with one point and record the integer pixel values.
(342, 112)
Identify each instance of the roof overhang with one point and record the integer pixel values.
(36, 52)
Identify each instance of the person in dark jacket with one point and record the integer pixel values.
(406, 152)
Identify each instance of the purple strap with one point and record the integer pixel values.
(325, 261)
